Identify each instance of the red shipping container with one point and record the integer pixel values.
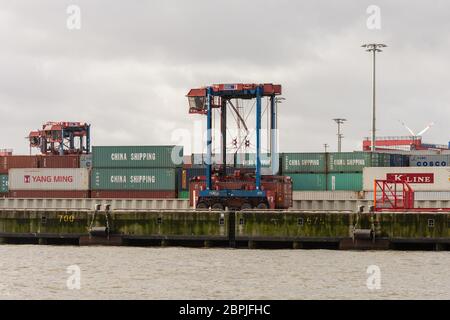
(64, 194)
(13, 162)
(124, 194)
(67, 161)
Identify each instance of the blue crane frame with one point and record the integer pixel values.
(257, 93)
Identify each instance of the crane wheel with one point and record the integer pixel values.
(217, 206)
(202, 206)
(246, 206)
(262, 205)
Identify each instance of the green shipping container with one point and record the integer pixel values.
(248, 160)
(303, 162)
(3, 183)
(344, 182)
(183, 194)
(356, 161)
(308, 181)
(133, 179)
(137, 156)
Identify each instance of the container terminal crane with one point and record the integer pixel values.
(60, 138)
(244, 189)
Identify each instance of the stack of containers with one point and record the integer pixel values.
(199, 160)
(345, 168)
(135, 171)
(430, 160)
(307, 170)
(48, 183)
(11, 162)
(197, 167)
(248, 160)
(334, 171)
(55, 161)
(15, 162)
(428, 183)
(39, 176)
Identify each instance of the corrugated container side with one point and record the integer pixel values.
(420, 195)
(200, 159)
(13, 162)
(3, 183)
(183, 195)
(303, 163)
(345, 181)
(63, 194)
(248, 160)
(308, 181)
(125, 194)
(137, 156)
(419, 178)
(185, 175)
(134, 179)
(86, 161)
(49, 179)
(187, 160)
(327, 195)
(398, 160)
(65, 161)
(356, 161)
(430, 161)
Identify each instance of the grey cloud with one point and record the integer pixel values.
(128, 68)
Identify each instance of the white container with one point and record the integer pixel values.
(429, 161)
(48, 179)
(420, 195)
(86, 160)
(327, 195)
(420, 179)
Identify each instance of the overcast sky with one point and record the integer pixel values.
(128, 68)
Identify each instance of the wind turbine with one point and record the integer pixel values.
(421, 132)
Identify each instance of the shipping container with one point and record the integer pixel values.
(308, 181)
(183, 195)
(185, 175)
(248, 160)
(430, 161)
(86, 160)
(303, 163)
(62, 194)
(187, 160)
(345, 181)
(137, 156)
(134, 194)
(328, 195)
(398, 160)
(133, 179)
(356, 161)
(13, 162)
(200, 159)
(421, 195)
(65, 161)
(3, 183)
(419, 178)
(49, 179)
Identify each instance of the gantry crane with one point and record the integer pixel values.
(60, 138)
(238, 191)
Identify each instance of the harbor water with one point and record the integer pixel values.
(71, 272)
